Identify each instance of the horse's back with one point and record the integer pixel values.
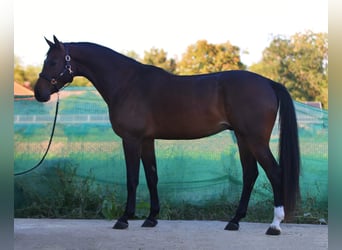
(184, 107)
(201, 105)
(166, 106)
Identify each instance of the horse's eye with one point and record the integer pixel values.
(52, 63)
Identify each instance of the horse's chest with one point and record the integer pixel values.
(128, 120)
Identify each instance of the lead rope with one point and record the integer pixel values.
(48, 147)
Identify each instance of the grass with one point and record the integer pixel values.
(61, 193)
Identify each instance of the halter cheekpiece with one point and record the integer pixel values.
(67, 69)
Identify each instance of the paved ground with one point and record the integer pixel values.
(58, 234)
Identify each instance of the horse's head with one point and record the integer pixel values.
(56, 72)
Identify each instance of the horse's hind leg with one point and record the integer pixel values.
(149, 161)
(250, 174)
(266, 159)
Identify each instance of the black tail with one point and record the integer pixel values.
(289, 155)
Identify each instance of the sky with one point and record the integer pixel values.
(172, 25)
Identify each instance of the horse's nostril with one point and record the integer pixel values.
(41, 95)
(40, 98)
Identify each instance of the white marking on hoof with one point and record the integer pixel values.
(279, 215)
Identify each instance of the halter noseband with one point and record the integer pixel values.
(67, 69)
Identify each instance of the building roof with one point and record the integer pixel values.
(314, 104)
(21, 91)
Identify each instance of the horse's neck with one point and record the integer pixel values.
(104, 68)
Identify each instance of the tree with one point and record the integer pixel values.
(203, 57)
(25, 74)
(31, 74)
(81, 81)
(19, 73)
(158, 57)
(132, 54)
(300, 63)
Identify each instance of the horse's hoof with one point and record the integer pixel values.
(273, 231)
(120, 225)
(231, 226)
(150, 223)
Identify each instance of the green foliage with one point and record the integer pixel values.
(24, 74)
(19, 72)
(132, 54)
(203, 57)
(80, 81)
(31, 74)
(68, 195)
(65, 195)
(158, 57)
(111, 208)
(300, 63)
(261, 211)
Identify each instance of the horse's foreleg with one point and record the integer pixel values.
(132, 151)
(250, 174)
(149, 161)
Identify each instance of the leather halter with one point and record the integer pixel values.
(67, 69)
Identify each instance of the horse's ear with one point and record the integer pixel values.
(56, 40)
(58, 44)
(51, 44)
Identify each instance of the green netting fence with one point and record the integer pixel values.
(192, 171)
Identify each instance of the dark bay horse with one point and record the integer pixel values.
(147, 103)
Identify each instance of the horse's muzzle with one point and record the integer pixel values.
(41, 96)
